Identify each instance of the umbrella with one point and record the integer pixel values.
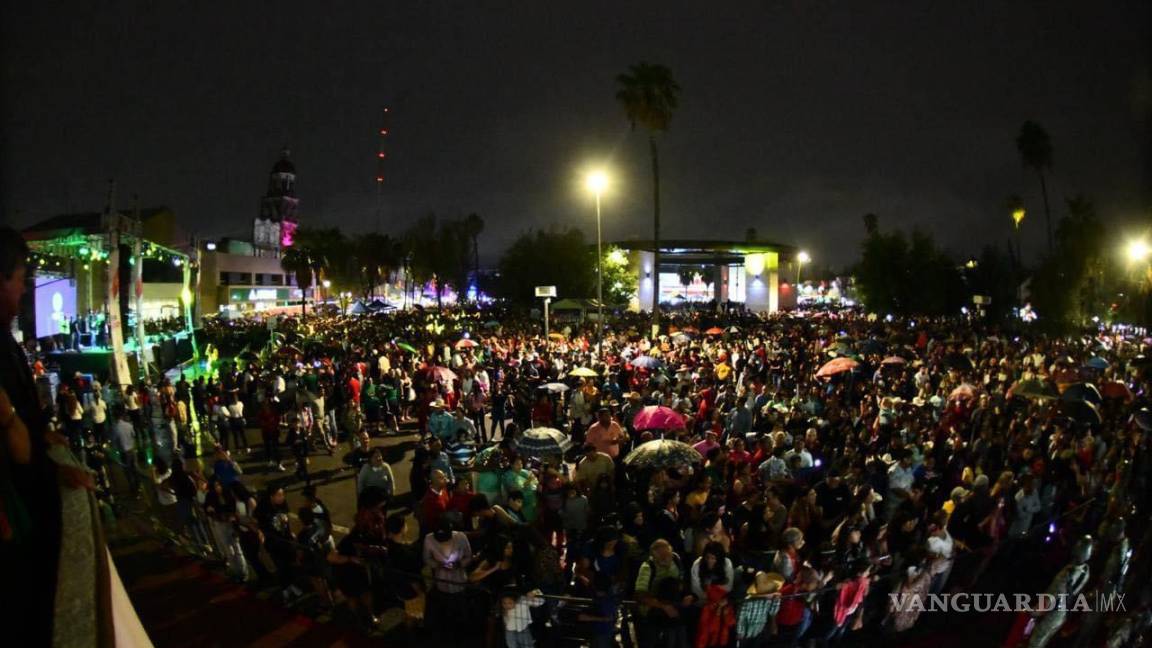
(440, 374)
(837, 366)
(491, 324)
(873, 346)
(288, 349)
(556, 337)
(1083, 411)
(1140, 361)
(408, 347)
(466, 343)
(583, 372)
(715, 330)
(658, 417)
(543, 442)
(681, 338)
(959, 361)
(733, 329)
(963, 392)
(248, 356)
(357, 308)
(554, 388)
(893, 360)
(489, 459)
(1082, 392)
(1033, 388)
(690, 329)
(663, 453)
(1143, 419)
(1096, 362)
(646, 362)
(1116, 389)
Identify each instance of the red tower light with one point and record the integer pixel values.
(380, 154)
(379, 178)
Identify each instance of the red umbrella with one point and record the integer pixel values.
(837, 366)
(893, 360)
(658, 417)
(1116, 389)
(715, 330)
(466, 343)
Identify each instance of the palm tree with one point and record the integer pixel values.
(298, 261)
(1036, 153)
(649, 94)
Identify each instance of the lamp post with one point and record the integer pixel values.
(801, 258)
(1138, 252)
(596, 182)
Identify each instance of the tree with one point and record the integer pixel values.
(1068, 287)
(649, 95)
(297, 261)
(620, 282)
(907, 275)
(686, 275)
(1036, 152)
(555, 257)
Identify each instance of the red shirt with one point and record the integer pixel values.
(433, 507)
(791, 609)
(354, 387)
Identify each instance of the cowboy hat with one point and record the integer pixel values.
(765, 583)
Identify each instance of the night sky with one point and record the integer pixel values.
(796, 117)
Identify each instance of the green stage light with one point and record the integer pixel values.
(84, 251)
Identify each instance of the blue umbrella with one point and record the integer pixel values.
(647, 362)
(1096, 362)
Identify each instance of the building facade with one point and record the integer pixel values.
(760, 275)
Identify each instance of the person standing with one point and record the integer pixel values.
(27, 474)
(605, 434)
(124, 436)
(97, 411)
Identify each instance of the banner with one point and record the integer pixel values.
(138, 287)
(118, 367)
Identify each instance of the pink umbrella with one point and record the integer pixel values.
(893, 360)
(963, 392)
(837, 366)
(440, 374)
(658, 417)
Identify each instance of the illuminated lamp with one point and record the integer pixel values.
(380, 155)
(84, 251)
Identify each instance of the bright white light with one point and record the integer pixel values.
(803, 257)
(1138, 250)
(596, 182)
(211, 246)
(327, 283)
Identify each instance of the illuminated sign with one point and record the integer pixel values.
(257, 294)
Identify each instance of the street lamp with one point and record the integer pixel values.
(801, 258)
(597, 182)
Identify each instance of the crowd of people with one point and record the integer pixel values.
(739, 480)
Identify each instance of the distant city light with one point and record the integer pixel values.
(211, 246)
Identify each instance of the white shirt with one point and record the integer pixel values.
(520, 617)
(99, 410)
(236, 410)
(900, 477)
(941, 546)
